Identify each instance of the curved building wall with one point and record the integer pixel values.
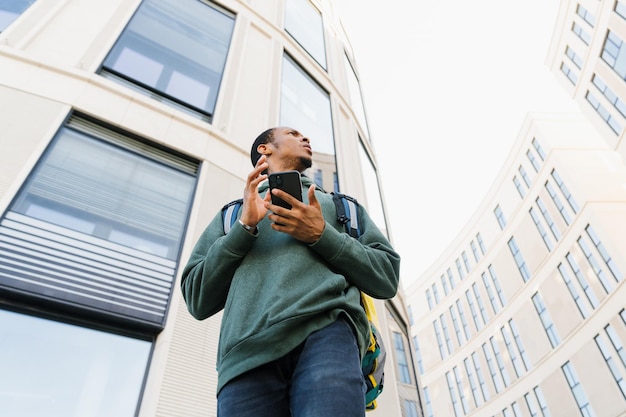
(124, 128)
(524, 313)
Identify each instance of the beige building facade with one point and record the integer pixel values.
(524, 314)
(125, 126)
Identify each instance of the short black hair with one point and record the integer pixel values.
(264, 137)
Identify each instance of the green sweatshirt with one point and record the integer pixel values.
(276, 290)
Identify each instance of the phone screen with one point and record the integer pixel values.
(288, 181)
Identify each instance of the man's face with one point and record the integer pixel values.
(289, 150)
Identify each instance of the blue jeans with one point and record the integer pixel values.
(322, 377)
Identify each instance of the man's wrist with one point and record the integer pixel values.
(250, 229)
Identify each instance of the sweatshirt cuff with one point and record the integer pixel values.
(239, 240)
(330, 244)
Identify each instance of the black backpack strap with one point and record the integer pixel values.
(348, 213)
(230, 213)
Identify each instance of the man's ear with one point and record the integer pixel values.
(263, 149)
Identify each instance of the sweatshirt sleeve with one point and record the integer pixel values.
(369, 262)
(209, 272)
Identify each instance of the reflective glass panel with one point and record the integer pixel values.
(99, 189)
(176, 48)
(11, 10)
(304, 22)
(54, 369)
(372, 190)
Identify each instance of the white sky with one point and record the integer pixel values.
(447, 85)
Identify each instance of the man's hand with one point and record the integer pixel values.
(303, 221)
(254, 208)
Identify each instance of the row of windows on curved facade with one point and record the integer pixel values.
(587, 286)
(96, 230)
(472, 370)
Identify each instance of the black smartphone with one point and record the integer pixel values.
(288, 181)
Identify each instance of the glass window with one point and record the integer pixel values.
(518, 186)
(305, 106)
(411, 408)
(567, 71)
(466, 262)
(451, 278)
(475, 251)
(519, 344)
(429, 299)
(500, 217)
(496, 284)
(418, 356)
(96, 188)
(614, 55)
(581, 33)
(524, 176)
(604, 113)
(56, 369)
(606, 257)
(500, 361)
(372, 190)
(574, 57)
(452, 390)
(518, 365)
(438, 336)
(466, 329)
(577, 390)
(403, 366)
(481, 305)
(356, 99)
(176, 49)
(533, 160)
(496, 377)
(582, 307)
(546, 320)
(472, 307)
(490, 293)
(459, 385)
(568, 195)
(620, 9)
(456, 325)
(604, 278)
(542, 231)
(304, 22)
(476, 394)
(479, 374)
(519, 259)
(446, 333)
(99, 223)
(609, 94)
(584, 13)
(457, 262)
(481, 244)
(11, 10)
(444, 284)
(435, 292)
(582, 280)
(548, 218)
(610, 361)
(558, 203)
(428, 403)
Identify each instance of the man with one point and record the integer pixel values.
(293, 330)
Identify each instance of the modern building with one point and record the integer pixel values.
(588, 56)
(125, 126)
(524, 313)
